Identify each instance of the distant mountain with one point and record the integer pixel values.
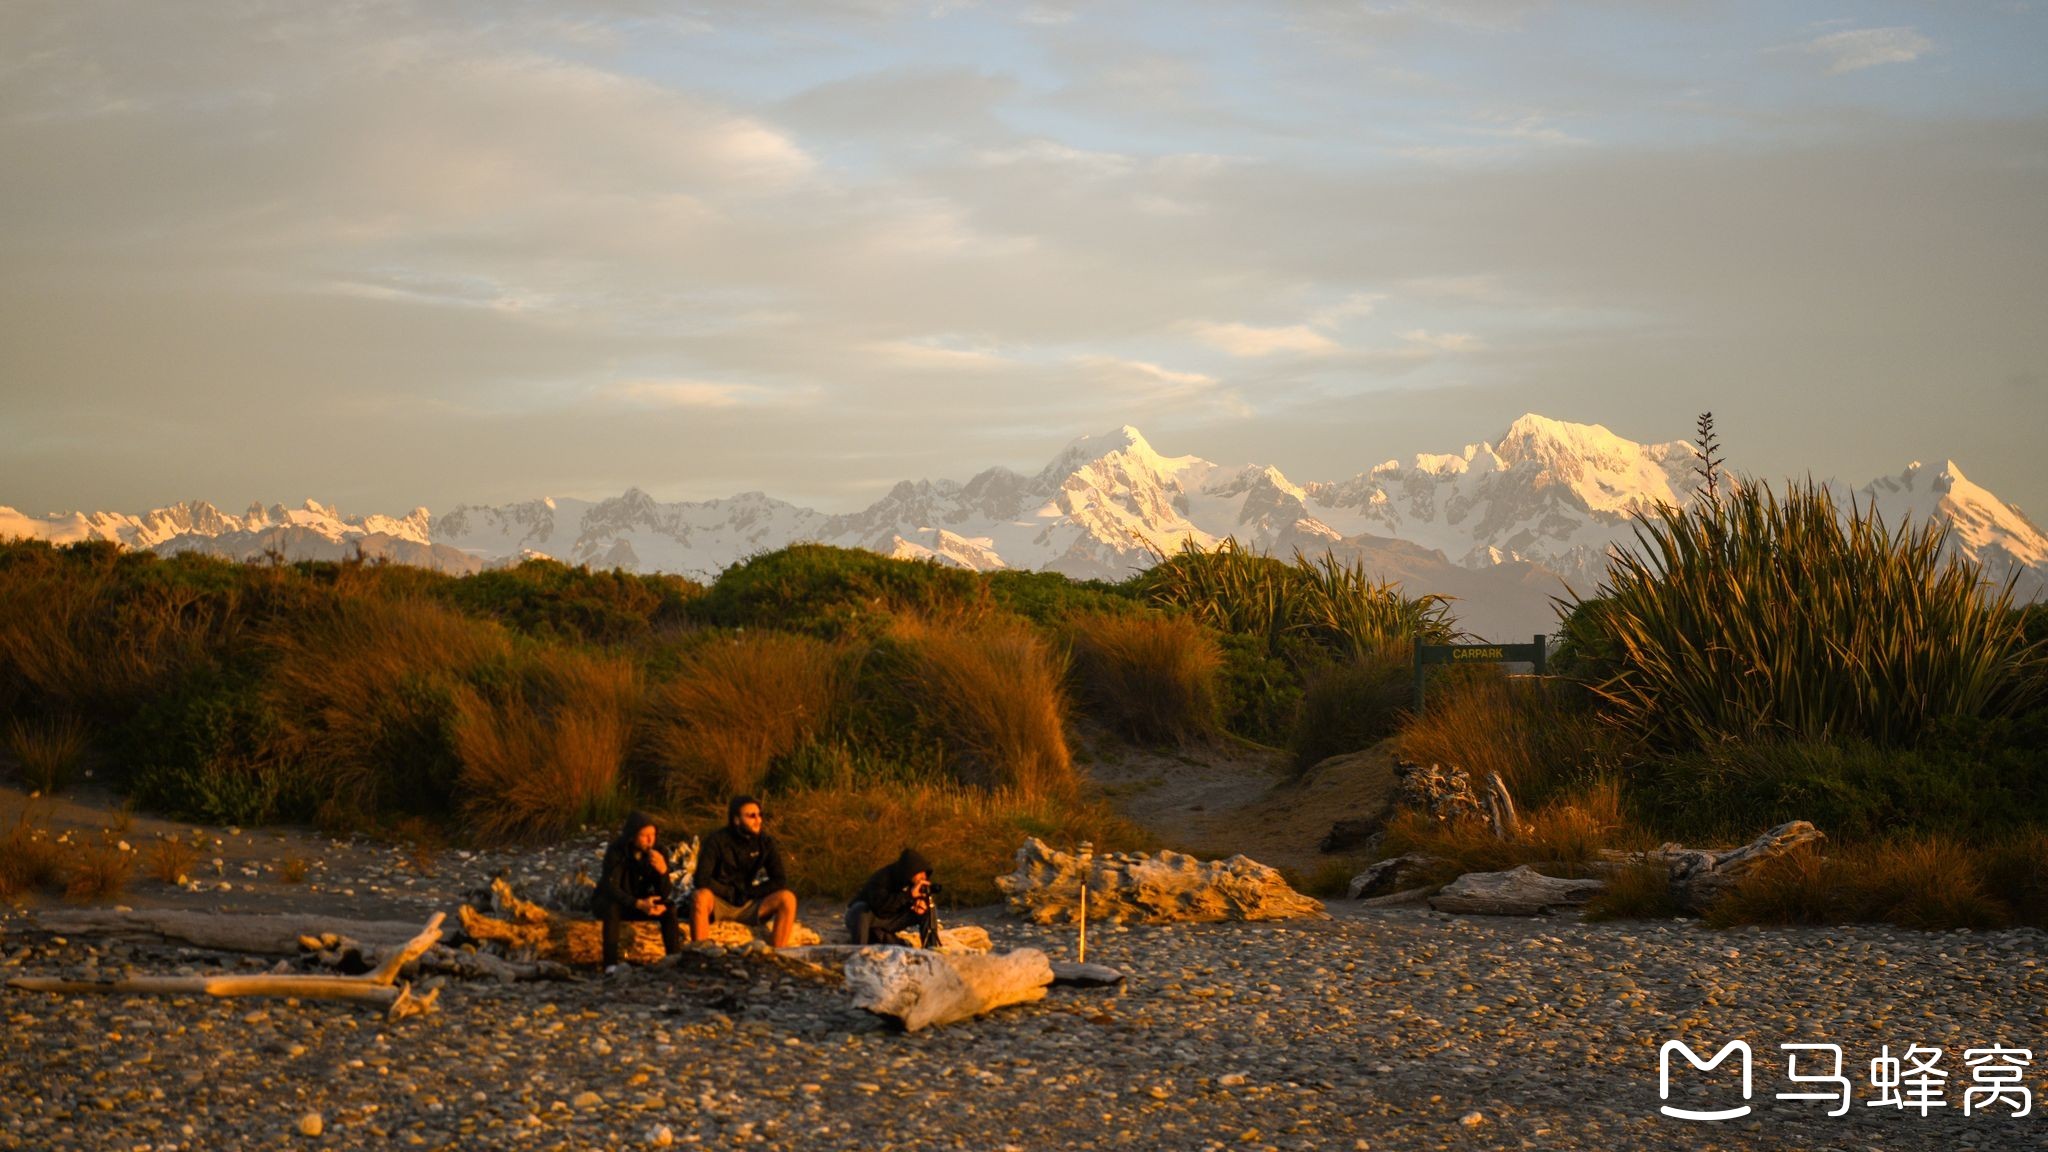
(1502, 525)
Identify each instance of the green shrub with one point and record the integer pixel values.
(835, 593)
(1152, 678)
(1350, 707)
(1260, 692)
(1049, 598)
(551, 600)
(214, 749)
(1756, 617)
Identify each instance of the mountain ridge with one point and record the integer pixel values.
(1494, 521)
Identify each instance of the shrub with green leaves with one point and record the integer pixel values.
(1759, 617)
(835, 593)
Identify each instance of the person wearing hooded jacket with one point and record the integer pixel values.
(896, 897)
(633, 884)
(740, 876)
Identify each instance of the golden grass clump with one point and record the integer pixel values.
(292, 870)
(1925, 883)
(47, 751)
(836, 838)
(1153, 678)
(1561, 838)
(96, 871)
(992, 694)
(1538, 734)
(29, 859)
(1636, 892)
(736, 706)
(544, 756)
(170, 859)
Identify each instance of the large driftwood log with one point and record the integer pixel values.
(1699, 876)
(1166, 888)
(379, 986)
(923, 988)
(527, 929)
(1397, 874)
(275, 935)
(1521, 891)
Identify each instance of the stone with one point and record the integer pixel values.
(311, 1124)
(924, 989)
(1085, 975)
(1393, 875)
(1521, 891)
(1163, 889)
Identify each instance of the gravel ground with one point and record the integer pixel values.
(1383, 1029)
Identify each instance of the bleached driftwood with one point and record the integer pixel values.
(1700, 875)
(275, 935)
(923, 988)
(1166, 888)
(527, 929)
(1500, 809)
(1394, 875)
(1520, 891)
(379, 986)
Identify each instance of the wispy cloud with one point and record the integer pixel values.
(1861, 48)
(679, 393)
(1441, 341)
(1247, 340)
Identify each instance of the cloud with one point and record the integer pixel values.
(1441, 341)
(679, 393)
(1868, 47)
(1246, 340)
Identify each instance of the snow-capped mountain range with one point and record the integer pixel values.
(1503, 525)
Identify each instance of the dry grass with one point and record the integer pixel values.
(1925, 883)
(292, 870)
(97, 871)
(421, 843)
(29, 860)
(1539, 734)
(1640, 892)
(837, 837)
(372, 685)
(545, 758)
(2015, 871)
(992, 694)
(170, 859)
(738, 705)
(48, 751)
(1562, 838)
(1153, 678)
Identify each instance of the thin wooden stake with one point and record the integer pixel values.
(1087, 867)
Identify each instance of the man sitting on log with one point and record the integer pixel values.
(740, 877)
(896, 897)
(634, 884)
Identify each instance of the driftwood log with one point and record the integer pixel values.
(1699, 876)
(923, 988)
(273, 935)
(527, 929)
(1397, 874)
(1167, 888)
(379, 986)
(1521, 891)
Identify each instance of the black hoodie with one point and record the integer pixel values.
(736, 865)
(626, 877)
(887, 892)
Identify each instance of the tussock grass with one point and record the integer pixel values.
(1351, 706)
(737, 705)
(1539, 734)
(1924, 883)
(1152, 678)
(1637, 892)
(96, 871)
(1756, 617)
(48, 751)
(542, 756)
(992, 695)
(838, 837)
(170, 859)
(1563, 837)
(29, 860)
(292, 870)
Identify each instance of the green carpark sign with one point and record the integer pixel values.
(1427, 654)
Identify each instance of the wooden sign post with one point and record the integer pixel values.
(1427, 654)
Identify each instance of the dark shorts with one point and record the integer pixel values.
(748, 913)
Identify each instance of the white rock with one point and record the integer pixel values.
(923, 988)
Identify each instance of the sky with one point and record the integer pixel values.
(388, 254)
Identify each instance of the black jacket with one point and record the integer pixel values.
(887, 892)
(736, 867)
(625, 878)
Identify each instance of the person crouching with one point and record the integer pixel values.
(634, 884)
(897, 897)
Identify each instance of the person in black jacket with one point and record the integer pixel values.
(894, 898)
(740, 876)
(633, 884)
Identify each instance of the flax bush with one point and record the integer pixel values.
(1756, 617)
